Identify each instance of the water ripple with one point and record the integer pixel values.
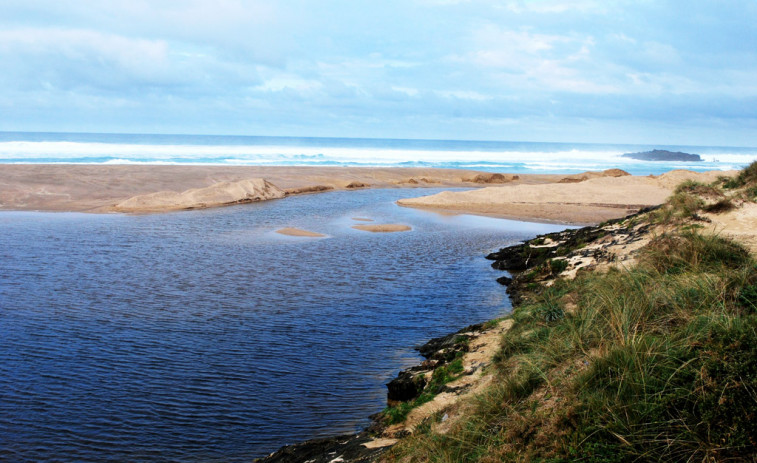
(202, 336)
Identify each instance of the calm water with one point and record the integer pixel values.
(204, 336)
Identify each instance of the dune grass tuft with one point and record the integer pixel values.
(656, 363)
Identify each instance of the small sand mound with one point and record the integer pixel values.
(615, 173)
(491, 178)
(290, 231)
(308, 189)
(383, 228)
(219, 194)
(577, 178)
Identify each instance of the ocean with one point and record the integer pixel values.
(499, 156)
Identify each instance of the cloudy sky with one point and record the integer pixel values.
(637, 71)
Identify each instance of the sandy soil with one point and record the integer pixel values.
(739, 224)
(586, 201)
(475, 378)
(99, 188)
(218, 194)
(383, 228)
(290, 231)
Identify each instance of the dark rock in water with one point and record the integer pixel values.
(406, 386)
(663, 155)
(457, 341)
(504, 280)
(347, 449)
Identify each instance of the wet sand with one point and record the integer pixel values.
(290, 231)
(383, 228)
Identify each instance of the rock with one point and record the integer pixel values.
(357, 184)
(561, 246)
(347, 448)
(458, 341)
(664, 155)
(405, 387)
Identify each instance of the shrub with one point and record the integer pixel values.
(748, 175)
(697, 188)
(558, 265)
(691, 251)
(724, 205)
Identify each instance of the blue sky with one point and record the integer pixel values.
(667, 72)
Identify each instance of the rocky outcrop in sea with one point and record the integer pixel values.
(664, 155)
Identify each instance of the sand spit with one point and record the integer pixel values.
(98, 188)
(290, 231)
(362, 219)
(577, 178)
(383, 228)
(218, 194)
(587, 201)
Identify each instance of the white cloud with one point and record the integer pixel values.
(554, 6)
(464, 95)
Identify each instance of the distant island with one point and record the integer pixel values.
(663, 155)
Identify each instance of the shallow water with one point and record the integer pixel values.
(205, 336)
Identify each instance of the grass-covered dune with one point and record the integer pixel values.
(652, 358)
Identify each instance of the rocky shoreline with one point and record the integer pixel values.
(408, 385)
(532, 263)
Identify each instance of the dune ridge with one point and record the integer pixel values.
(218, 194)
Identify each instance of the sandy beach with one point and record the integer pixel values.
(580, 198)
(126, 188)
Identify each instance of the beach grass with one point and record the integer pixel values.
(657, 362)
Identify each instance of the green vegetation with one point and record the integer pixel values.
(658, 363)
(558, 265)
(653, 363)
(747, 176)
(441, 376)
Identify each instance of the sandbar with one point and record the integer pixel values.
(585, 198)
(362, 219)
(290, 231)
(102, 188)
(383, 228)
(589, 200)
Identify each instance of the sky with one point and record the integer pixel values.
(641, 71)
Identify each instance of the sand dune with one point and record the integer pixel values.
(218, 194)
